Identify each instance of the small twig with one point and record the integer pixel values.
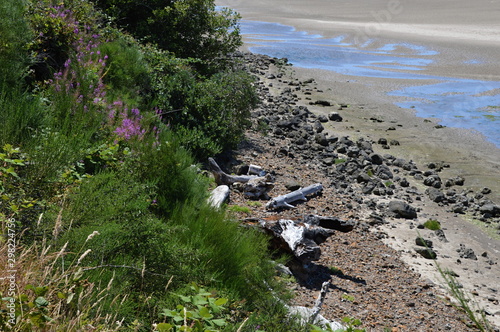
(241, 326)
(319, 301)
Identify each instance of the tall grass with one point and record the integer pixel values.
(51, 293)
(22, 115)
(15, 35)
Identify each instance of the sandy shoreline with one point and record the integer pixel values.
(468, 30)
(280, 86)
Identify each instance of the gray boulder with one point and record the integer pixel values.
(435, 195)
(490, 209)
(402, 210)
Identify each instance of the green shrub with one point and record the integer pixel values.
(172, 25)
(219, 108)
(127, 74)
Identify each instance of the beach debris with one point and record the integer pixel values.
(221, 178)
(302, 237)
(218, 196)
(297, 195)
(312, 315)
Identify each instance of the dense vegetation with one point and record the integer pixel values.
(105, 106)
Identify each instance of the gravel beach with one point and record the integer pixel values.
(301, 138)
(458, 31)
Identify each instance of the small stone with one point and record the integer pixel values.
(402, 209)
(466, 253)
(334, 116)
(382, 141)
(292, 185)
(322, 118)
(423, 242)
(426, 252)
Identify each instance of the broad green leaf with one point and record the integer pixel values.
(169, 313)
(199, 300)
(185, 298)
(164, 327)
(221, 301)
(219, 322)
(205, 313)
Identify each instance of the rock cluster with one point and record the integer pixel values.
(370, 178)
(301, 137)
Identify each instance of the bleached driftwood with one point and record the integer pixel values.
(297, 195)
(312, 315)
(218, 196)
(297, 238)
(302, 237)
(222, 178)
(257, 187)
(309, 315)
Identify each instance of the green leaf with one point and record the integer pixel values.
(221, 301)
(11, 171)
(185, 298)
(61, 295)
(164, 327)
(356, 322)
(219, 322)
(199, 300)
(169, 313)
(205, 313)
(41, 302)
(178, 319)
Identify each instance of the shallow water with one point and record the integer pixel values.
(462, 103)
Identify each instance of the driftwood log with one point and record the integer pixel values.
(297, 195)
(302, 237)
(312, 315)
(218, 196)
(252, 186)
(222, 178)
